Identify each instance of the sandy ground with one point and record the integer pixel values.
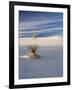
(47, 41)
(50, 63)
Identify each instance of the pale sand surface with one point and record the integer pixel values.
(50, 63)
(47, 41)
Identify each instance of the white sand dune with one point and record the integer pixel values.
(46, 41)
(50, 63)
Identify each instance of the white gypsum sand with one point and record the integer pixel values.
(46, 41)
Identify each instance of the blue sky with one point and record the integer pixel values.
(45, 24)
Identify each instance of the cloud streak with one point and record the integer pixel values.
(40, 22)
(40, 31)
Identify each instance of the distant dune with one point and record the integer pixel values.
(46, 41)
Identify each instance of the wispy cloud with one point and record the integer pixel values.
(40, 31)
(40, 23)
(35, 24)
